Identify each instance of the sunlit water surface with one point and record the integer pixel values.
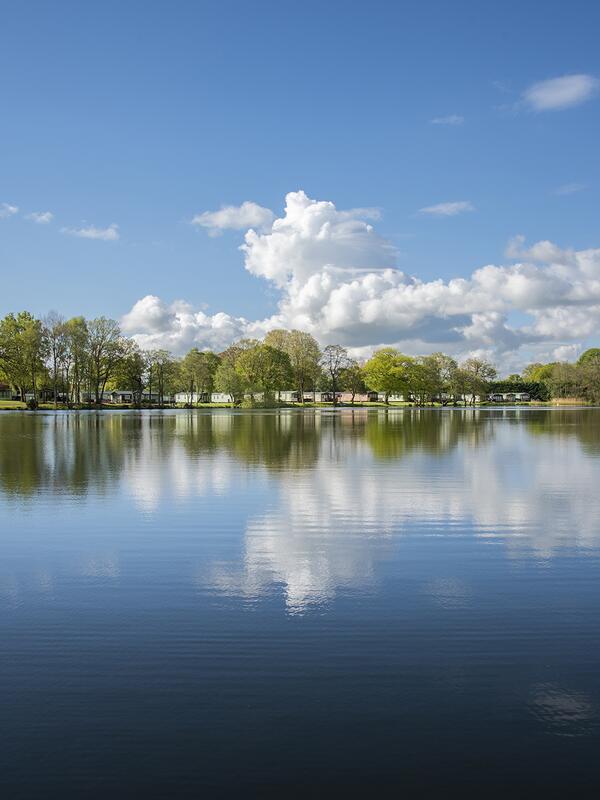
(217, 603)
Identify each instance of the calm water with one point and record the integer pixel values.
(220, 604)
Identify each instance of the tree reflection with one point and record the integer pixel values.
(62, 453)
(395, 435)
(83, 452)
(581, 424)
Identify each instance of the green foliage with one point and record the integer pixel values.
(538, 372)
(334, 360)
(389, 371)
(424, 379)
(79, 359)
(352, 379)
(23, 350)
(198, 370)
(590, 357)
(303, 352)
(264, 369)
(131, 371)
(229, 381)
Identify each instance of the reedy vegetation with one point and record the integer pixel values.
(77, 360)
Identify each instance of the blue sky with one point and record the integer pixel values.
(144, 115)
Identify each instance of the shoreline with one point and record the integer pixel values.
(44, 407)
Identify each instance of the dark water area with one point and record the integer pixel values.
(220, 604)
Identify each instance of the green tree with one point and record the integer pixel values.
(163, 374)
(106, 348)
(55, 332)
(76, 358)
(352, 379)
(424, 379)
(229, 381)
(478, 373)
(446, 366)
(132, 370)
(538, 372)
(265, 369)
(566, 380)
(589, 357)
(23, 349)
(304, 354)
(460, 384)
(388, 371)
(198, 370)
(334, 360)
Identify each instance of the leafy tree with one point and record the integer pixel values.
(304, 354)
(131, 370)
(478, 374)
(445, 367)
(566, 380)
(106, 348)
(334, 361)
(352, 379)
(55, 332)
(589, 357)
(229, 381)
(590, 378)
(388, 371)
(424, 379)
(23, 349)
(198, 371)
(461, 384)
(76, 358)
(163, 374)
(263, 368)
(538, 372)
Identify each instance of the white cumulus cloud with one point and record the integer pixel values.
(248, 215)
(450, 209)
(558, 93)
(110, 234)
(337, 278)
(312, 235)
(6, 210)
(41, 217)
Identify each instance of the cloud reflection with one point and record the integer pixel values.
(323, 499)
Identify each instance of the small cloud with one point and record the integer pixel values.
(569, 188)
(558, 93)
(543, 251)
(7, 210)
(248, 215)
(110, 234)
(451, 119)
(567, 352)
(41, 217)
(448, 209)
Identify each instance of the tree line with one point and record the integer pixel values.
(570, 380)
(75, 361)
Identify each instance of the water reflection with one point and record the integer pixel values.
(320, 498)
(171, 581)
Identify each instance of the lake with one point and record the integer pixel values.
(221, 603)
